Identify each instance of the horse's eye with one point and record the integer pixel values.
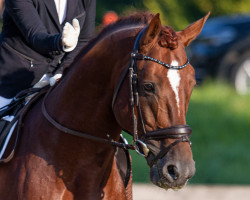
(148, 87)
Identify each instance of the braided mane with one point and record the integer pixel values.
(137, 18)
(168, 38)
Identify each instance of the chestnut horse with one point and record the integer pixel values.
(107, 89)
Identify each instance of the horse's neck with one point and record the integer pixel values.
(83, 99)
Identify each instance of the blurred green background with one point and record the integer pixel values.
(219, 117)
(177, 13)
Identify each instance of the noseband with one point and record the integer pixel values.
(179, 132)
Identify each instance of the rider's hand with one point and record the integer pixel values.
(70, 35)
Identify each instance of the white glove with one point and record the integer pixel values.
(70, 35)
(54, 79)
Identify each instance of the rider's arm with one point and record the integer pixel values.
(29, 23)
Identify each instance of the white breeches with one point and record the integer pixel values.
(4, 101)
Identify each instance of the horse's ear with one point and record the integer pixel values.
(149, 36)
(193, 30)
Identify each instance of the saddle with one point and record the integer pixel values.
(11, 117)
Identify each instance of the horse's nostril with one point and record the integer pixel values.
(172, 171)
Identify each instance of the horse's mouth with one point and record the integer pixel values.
(165, 185)
(165, 181)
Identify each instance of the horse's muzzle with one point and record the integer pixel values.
(174, 169)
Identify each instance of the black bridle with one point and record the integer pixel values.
(180, 132)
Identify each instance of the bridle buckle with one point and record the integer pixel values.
(141, 148)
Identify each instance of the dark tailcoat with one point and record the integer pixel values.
(30, 40)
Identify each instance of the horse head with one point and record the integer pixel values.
(161, 83)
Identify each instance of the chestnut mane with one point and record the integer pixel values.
(167, 38)
(137, 18)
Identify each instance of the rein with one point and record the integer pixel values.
(180, 132)
(79, 133)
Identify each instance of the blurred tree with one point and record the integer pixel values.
(179, 13)
(120, 7)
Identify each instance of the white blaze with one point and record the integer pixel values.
(174, 79)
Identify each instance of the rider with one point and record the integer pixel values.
(40, 37)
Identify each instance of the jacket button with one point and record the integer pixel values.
(55, 53)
